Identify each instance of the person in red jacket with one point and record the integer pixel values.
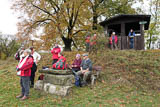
(113, 41)
(24, 71)
(61, 63)
(55, 52)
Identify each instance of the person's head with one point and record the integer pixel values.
(85, 55)
(131, 30)
(56, 44)
(113, 33)
(78, 56)
(60, 54)
(27, 52)
(32, 49)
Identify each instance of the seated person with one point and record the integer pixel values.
(86, 68)
(76, 64)
(61, 63)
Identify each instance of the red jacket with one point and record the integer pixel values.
(26, 68)
(60, 64)
(55, 52)
(115, 38)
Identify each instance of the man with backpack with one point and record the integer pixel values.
(86, 68)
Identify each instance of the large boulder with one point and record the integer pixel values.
(62, 80)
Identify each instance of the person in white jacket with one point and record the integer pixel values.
(36, 57)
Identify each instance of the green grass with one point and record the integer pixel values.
(129, 79)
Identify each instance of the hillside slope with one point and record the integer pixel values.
(129, 79)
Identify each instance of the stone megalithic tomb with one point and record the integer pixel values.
(58, 82)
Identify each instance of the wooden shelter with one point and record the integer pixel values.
(121, 24)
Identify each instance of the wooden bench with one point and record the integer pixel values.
(96, 70)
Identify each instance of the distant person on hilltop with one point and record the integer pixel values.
(93, 42)
(55, 51)
(113, 41)
(88, 43)
(24, 71)
(131, 36)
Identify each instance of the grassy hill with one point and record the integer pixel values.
(129, 79)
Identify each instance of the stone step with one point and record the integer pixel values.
(52, 89)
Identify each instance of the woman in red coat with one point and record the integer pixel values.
(55, 52)
(113, 41)
(24, 71)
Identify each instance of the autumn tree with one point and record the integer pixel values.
(154, 28)
(109, 8)
(65, 20)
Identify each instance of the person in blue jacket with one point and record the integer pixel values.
(131, 36)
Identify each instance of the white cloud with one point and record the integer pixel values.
(7, 19)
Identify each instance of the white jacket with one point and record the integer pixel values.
(36, 57)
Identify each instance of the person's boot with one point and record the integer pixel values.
(24, 98)
(19, 96)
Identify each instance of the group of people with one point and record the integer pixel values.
(79, 66)
(90, 42)
(26, 68)
(29, 58)
(113, 40)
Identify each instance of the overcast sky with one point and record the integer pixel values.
(8, 20)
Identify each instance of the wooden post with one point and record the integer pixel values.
(123, 34)
(142, 36)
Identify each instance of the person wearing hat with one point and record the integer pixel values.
(86, 68)
(36, 57)
(113, 40)
(76, 64)
(24, 71)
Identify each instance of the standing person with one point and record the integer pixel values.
(36, 58)
(131, 38)
(19, 54)
(24, 71)
(76, 64)
(88, 43)
(93, 42)
(86, 68)
(55, 52)
(113, 41)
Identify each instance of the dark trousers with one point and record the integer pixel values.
(74, 70)
(24, 81)
(131, 43)
(33, 70)
(54, 61)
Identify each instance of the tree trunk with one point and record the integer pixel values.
(67, 43)
(94, 27)
(150, 40)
